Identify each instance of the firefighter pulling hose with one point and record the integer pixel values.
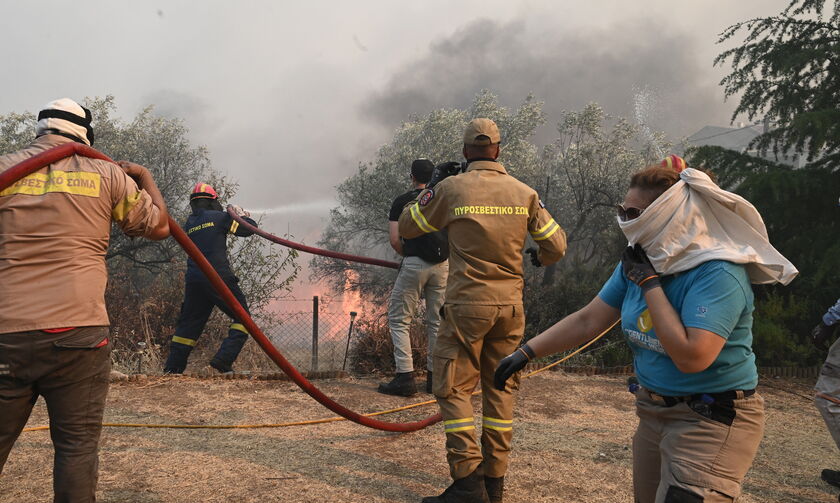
(32, 164)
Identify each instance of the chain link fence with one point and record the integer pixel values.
(313, 341)
(320, 338)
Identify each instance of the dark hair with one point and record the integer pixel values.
(656, 179)
(422, 170)
(480, 151)
(205, 203)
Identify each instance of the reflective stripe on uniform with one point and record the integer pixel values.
(454, 425)
(240, 327)
(546, 232)
(493, 423)
(183, 340)
(80, 183)
(125, 206)
(420, 220)
(233, 226)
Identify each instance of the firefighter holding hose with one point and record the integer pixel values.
(489, 215)
(54, 230)
(208, 227)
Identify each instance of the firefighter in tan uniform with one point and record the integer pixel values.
(489, 215)
(54, 229)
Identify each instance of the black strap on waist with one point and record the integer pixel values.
(709, 398)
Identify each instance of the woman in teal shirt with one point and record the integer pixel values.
(691, 335)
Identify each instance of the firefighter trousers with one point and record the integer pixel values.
(472, 340)
(828, 392)
(199, 300)
(71, 371)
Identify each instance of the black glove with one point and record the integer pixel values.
(638, 269)
(443, 171)
(820, 335)
(535, 259)
(510, 365)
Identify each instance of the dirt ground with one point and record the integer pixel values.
(571, 444)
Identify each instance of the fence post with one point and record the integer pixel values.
(349, 333)
(314, 366)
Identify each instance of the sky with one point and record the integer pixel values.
(290, 97)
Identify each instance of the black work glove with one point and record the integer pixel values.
(510, 365)
(442, 171)
(820, 335)
(535, 259)
(638, 269)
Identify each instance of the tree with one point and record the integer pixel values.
(582, 175)
(145, 284)
(787, 71)
(799, 207)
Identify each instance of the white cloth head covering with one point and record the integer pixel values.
(696, 221)
(67, 118)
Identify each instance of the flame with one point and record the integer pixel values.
(350, 299)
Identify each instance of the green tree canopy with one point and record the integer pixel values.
(787, 71)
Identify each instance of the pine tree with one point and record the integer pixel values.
(787, 71)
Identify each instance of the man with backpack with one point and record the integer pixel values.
(423, 271)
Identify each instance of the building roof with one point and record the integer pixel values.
(726, 137)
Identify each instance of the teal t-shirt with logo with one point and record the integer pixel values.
(714, 296)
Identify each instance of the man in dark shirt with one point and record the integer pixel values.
(423, 271)
(208, 226)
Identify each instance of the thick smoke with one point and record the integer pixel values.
(565, 69)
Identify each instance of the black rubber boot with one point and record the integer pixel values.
(832, 477)
(495, 488)
(429, 382)
(469, 489)
(176, 362)
(402, 385)
(221, 366)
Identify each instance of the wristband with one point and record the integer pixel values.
(649, 283)
(527, 351)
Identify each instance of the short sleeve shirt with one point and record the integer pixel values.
(714, 296)
(424, 246)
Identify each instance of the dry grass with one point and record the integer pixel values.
(571, 445)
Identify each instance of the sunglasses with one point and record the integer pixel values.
(626, 214)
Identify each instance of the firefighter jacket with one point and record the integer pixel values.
(489, 215)
(54, 229)
(209, 229)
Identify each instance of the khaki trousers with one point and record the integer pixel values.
(692, 451)
(470, 344)
(828, 385)
(415, 277)
(71, 373)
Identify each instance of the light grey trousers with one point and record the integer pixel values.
(416, 277)
(828, 385)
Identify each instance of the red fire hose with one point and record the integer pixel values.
(52, 155)
(311, 249)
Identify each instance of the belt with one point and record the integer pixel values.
(707, 398)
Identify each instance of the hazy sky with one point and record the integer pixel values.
(290, 96)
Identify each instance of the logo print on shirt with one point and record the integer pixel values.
(644, 322)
